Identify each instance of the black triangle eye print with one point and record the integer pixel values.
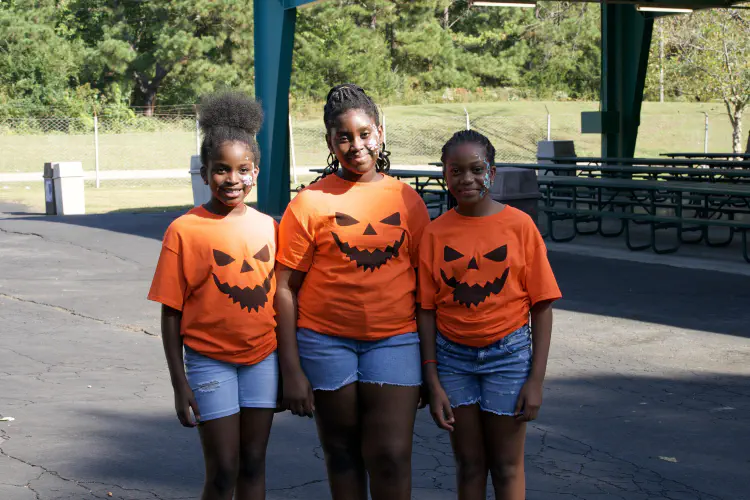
(345, 220)
(499, 254)
(248, 297)
(263, 255)
(450, 254)
(474, 294)
(392, 220)
(222, 259)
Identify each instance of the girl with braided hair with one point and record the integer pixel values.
(485, 322)
(215, 281)
(348, 346)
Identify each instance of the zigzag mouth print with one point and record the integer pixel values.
(473, 295)
(248, 298)
(370, 259)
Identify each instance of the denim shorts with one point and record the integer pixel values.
(222, 388)
(491, 376)
(331, 362)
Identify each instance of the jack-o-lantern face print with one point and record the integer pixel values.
(367, 245)
(476, 282)
(249, 297)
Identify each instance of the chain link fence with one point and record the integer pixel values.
(144, 160)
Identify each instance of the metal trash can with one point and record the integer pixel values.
(67, 179)
(547, 150)
(517, 187)
(50, 207)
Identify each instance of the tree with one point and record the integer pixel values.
(38, 65)
(143, 46)
(710, 59)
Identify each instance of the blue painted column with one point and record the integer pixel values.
(274, 41)
(626, 39)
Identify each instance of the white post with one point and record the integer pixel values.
(468, 123)
(549, 124)
(291, 151)
(197, 136)
(705, 138)
(96, 148)
(385, 130)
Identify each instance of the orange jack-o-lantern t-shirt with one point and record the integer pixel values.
(358, 243)
(483, 274)
(219, 271)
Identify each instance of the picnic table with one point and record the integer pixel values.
(715, 156)
(665, 162)
(711, 174)
(697, 206)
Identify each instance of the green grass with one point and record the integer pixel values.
(415, 135)
(119, 196)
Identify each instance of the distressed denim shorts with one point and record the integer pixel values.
(491, 376)
(331, 362)
(222, 388)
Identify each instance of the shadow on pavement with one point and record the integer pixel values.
(685, 298)
(603, 436)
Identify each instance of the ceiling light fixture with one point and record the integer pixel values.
(520, 4)
(676, 10)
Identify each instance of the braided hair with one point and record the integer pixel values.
(343, 98)
(464, 136)
(229, 117)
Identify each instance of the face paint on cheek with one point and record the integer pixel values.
(373, 143)
(247, 180)
(487, 181)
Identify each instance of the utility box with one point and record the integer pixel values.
(519, 188)
(49, 190)
(68, 189)
(201, 191)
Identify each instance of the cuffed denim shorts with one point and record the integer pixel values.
(222, 388)
(491, 376)
(331, 362)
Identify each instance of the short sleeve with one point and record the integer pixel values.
(540, 281)
(169, 285)
(296, 243)
(417, 220)
(427, 289)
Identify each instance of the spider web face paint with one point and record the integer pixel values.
(247, 180)
(373, 142)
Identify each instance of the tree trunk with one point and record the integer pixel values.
(446, 17)
(148, 88)
(747, 148)
(737, 131)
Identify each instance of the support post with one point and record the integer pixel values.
(96, 149)
(705, 136)
(274, 40)
(291, 150)
(626, 39)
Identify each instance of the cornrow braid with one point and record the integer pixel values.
(464, 136)
(343, 98)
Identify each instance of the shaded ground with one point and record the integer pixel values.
(647, 395)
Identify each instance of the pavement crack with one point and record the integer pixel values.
(129, 328)
(64, 242)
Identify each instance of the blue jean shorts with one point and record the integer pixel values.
(491, 376)
(222, 388)
(331, 362)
